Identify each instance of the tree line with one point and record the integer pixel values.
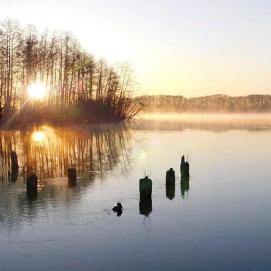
(213, 103)
(75, 81)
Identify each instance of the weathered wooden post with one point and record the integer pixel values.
(170, 176)
(14, 161)
(185, 172)
(170, 184)
(145, 188)
(32, 186)
(13, 174)
(72, 177)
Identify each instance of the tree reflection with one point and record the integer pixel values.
(49, 151)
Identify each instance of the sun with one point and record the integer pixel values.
(36, 90)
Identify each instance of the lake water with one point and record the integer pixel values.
(218, 220)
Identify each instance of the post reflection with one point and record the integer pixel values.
(170, 191)
(184, 187)
(145, 207)
(12, 176)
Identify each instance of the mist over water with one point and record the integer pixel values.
(222, 210)
(215, 121)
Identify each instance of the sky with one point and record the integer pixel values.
(174, 47)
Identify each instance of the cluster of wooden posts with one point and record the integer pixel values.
(145, 187)
(145, 184)
(32, 183)
(32, 180)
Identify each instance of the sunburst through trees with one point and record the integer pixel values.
(50, 77)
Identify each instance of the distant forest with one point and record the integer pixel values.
(79, 87)
(214, 103)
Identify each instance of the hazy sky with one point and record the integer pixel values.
(174, 46)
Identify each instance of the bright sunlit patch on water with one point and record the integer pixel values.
(45, 137)
(141, 155)
(37, 90)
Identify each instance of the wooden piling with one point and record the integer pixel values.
(185, 171)
(145, 188)
(72, 177)
(32, 186)
(14, 161)
(170, 177)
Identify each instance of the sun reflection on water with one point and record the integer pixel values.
(38, 136)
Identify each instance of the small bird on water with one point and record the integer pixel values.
(118, 209)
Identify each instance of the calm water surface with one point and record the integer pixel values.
(218, 220)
